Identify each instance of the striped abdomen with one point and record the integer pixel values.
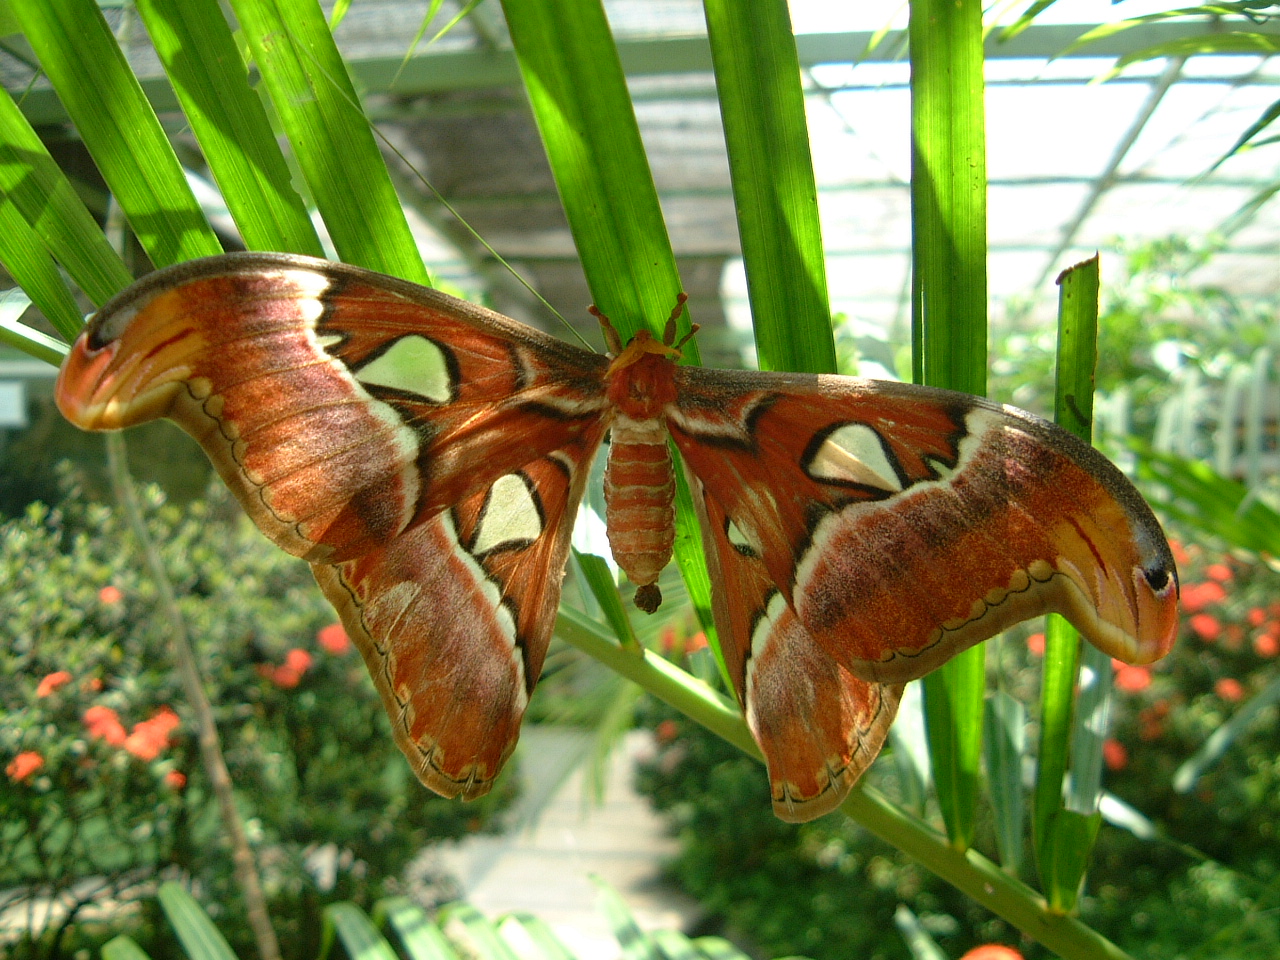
(639, 489)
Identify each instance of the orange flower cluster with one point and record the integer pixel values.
(289, 674)
(992, 951)
(148, 739)
(333, 639)
(24, 765)
(52, 682)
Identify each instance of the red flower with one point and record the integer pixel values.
(1266, 645)
(104, 724)
(667, 640)
(110, 595)
(24, 765)
(1035, 643)
(150, 737)
(1132, 679)
(1197, 596)
(52, 682)
(1219, 571)
(289, 674)
(695, 643)
(1229, 688)
(333, 639)
(1180, 555)
(175, 779)
(667, 731)
(1115, 755)
(992, 951)
(1206, 626)
(1257, 616)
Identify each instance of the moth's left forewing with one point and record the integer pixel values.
(905, 523)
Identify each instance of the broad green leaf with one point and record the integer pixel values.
(118, 127)
(27, 261)
(1206, 501)
(419, 938)
(1004, 745)
(633, 942)
(347, 924)
(199, 937)
(195, 44)
(762, 106)
(578, 92)
(949, 315)
(332, 139)
(474, 934)
(49, 202)
(123, 948)
(531, 938)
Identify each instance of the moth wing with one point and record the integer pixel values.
(426, 455)
(340, 406)
(903, 524)
(818, 725)
(453, 619)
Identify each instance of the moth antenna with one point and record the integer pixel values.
(669, 332)
(612, 339)
(688, 336)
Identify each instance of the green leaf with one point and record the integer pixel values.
(1005, 746)
(13, 304)
(118, 127)
(595, 570)
(199, 54)
(635, 944)
(1185, 777)
(917, 938)
(348, 924)
(331, 137)
(1206, 501)
(419, 938)
(476, 936)
(949, 311)
(762, 106)
(123, 948)
(27, 261)
(578, 92)
(48, 201)
(531, 938)
(200, 938)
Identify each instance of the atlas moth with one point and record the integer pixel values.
(427, 457)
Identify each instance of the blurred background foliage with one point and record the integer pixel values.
(98, 805)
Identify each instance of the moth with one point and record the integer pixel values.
(427, 457)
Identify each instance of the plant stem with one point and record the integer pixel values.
(184, 660)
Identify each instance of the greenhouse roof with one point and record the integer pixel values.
(1074, 165)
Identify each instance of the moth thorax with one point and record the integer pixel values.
(639, 489)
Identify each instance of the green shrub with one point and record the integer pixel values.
(103, 789)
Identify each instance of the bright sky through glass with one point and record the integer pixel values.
(1062, 183)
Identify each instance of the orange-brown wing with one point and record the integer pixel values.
(341, 406)
(453, 618)
(903, 524)
(426, 455)
(818, 725)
